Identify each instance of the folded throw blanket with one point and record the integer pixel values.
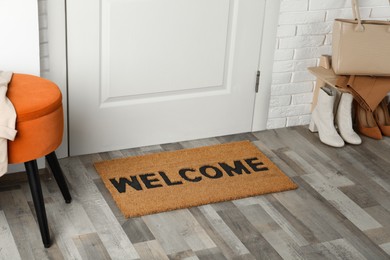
(367, 91)
(7, 120)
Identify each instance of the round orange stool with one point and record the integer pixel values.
(40, 124)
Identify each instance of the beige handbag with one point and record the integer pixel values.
(361, 47)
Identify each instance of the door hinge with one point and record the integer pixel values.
(257, 81)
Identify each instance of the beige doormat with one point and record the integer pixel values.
(147, 184)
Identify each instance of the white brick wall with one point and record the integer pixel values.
(304, 34)
(44, 44)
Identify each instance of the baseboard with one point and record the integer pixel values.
(16, 178)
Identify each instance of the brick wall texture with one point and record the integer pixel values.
(44, 44)
(304, 34)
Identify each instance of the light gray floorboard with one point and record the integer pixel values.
(341, 209)
(91, 247)
(8, 249)
(151, 249)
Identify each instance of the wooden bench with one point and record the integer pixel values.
(325, 77)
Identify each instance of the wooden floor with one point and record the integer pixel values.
(341, 210)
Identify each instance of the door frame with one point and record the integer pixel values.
(56, 36)
(56, 33)
(266, 60)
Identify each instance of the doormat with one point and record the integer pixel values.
(147, 184)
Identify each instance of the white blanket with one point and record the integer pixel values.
(7, 120)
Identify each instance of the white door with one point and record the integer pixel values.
(145, 72)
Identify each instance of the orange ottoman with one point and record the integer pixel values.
(40, 123)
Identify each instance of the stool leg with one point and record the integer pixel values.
(59, 176)
(36, 192)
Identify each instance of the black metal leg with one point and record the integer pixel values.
(36, 192)
(59, 176)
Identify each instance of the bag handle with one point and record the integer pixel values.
(356, 15)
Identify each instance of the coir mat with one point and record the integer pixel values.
(147, 184)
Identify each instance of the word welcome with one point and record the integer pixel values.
(161, 179)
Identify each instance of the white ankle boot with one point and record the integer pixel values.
(322, 119)
(344, 120)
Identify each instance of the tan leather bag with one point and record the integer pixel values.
(361, 47)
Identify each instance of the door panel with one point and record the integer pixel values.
(135, 34)
(147, 72)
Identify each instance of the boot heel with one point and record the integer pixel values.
(313, 127)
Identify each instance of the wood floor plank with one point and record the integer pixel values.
(151, 250)
(286, 168)
(335, 249)
(190, 230)
(187, 255)
(164, 230)
(351, 165)
(217, 236)
(137, 231)
(132, 152)
(199, 143)
(317, 252)
(381, 214)
(326, 214)
(379, 235)
(110, 201)
(309, 166)
(259, 218)
(210, 254)
(151, 149)
(282, 221)
(237, 138)
(8, 248)
(357, 173)
(366, 164)
(298, 225)
(23, 225)
(312, 213)
(284, 245)
(225, 205)
(90, 247)
(376, 147)
(106, 225)
(386, 248)
(359, 195)
(110, 231)
(272, 232)
(344, 204)
(172, 147)
(342, 249)
(88, 161)
(223, 230)
(111, 155)
(270, 139)
(248, 235)
(64, 227)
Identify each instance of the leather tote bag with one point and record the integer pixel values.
(361, 47)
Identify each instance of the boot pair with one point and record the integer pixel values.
(322, 119)
(373, 124)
